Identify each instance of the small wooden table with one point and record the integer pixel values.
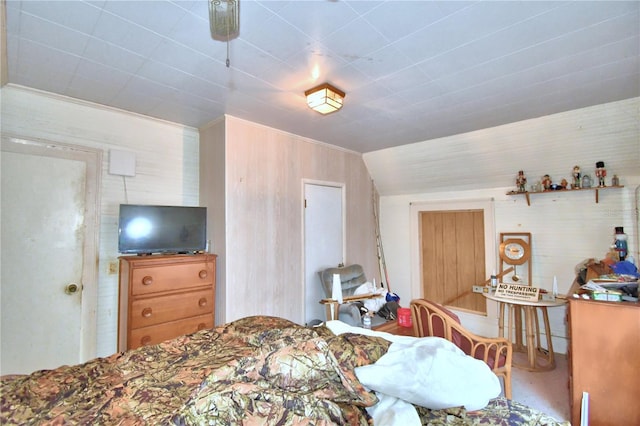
(538, 358)
(394, 328)
(332, 305)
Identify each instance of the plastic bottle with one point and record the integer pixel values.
(620, 243)
(494, 281)
(366, 321)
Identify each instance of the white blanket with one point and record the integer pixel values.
(430, 372)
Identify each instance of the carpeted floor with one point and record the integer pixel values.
(546, 391)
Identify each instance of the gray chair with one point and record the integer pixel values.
(351, 277)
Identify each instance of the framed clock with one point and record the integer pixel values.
(515, 251)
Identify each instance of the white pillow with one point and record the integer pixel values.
(433, 373)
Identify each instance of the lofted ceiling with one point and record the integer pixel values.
(412, 70)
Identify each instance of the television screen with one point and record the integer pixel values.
(144, 229)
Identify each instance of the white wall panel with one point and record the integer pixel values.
(567, 227)
(491, 158)
(166, 169)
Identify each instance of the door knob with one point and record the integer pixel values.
(71, 288)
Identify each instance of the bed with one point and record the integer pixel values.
(257, 370)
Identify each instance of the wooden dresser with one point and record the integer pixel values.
(604, 360)
(162, 297)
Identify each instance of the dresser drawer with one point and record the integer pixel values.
(159, 278)
(155, 310)
(159, 333)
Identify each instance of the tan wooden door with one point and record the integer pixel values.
(452, 254)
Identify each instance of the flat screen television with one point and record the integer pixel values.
(147, 229)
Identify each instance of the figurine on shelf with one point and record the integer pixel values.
(615, 181)
(521, 182)
(586, 181)
(546, 182)
(576, 177)
(563, 183)
(601, 173)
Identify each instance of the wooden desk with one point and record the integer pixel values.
(538, 358)
(604, 360)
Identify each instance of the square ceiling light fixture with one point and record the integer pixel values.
(324, 98)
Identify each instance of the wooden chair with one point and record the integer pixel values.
(432, 319)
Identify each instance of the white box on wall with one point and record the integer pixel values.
(122, 163)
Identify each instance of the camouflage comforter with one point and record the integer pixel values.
(258, 370)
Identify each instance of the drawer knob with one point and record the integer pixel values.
(145, 340)
(147, 280)
(202, 302)
(146, 312)
(203, 274)
(202, 326)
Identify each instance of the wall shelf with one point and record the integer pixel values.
(595, 188)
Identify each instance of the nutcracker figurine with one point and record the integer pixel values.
(601, 173)
(521, 182)
(576, 177)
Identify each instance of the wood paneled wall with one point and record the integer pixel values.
(264, 250)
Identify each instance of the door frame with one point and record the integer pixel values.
(343, 191)
(90, 255)
(491, 258)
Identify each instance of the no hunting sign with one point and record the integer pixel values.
(517, 292)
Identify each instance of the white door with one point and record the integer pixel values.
(324, 241)
(48, 279)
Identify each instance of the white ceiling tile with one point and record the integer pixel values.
(35, 58)
(179, 57)
(279, 39)
(76, 15)
(112, 55)
(102, 73)
(117, 31)
(200, 87)
(257, 17)
(356, 42)
(412, 70)
(405, 79)
(158, 16)
(139, 95)
(93, 90)
(315, 18)
(193, 32)
(395, 20)
(383, 62)
(162, 74)
(54, 35)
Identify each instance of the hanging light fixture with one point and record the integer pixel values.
(224, 21)
(325, 98)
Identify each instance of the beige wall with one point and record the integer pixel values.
(212, 195)
(264, 254)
